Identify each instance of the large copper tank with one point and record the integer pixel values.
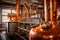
(48, 30)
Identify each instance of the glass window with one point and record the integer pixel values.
(5, 19)
(5, 13)
(13, 11)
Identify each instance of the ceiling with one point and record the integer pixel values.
(13, 2)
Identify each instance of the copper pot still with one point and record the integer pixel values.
(48, 30)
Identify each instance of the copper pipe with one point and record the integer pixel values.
(53, 12)
(27, 9)
(19, 17)
(45, 6)
(17, 7)
(46, 10)
(15, 17)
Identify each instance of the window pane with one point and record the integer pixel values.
(5, 19)
(13, 11)
(5, 11)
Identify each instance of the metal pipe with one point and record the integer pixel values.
(17, 7)
(53, 12)
(19, 17)
(46, 7)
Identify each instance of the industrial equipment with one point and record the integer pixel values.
(17, 17)
(48, 30)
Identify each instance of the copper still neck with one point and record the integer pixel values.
(51, 11)
(17, 7)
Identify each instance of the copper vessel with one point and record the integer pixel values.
(48, 30)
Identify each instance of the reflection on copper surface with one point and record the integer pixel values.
(47, 36)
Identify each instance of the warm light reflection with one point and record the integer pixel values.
(41, 29)
(51, 36)
(59, 35)
(48, 36)
(32, 33)
(44, 36)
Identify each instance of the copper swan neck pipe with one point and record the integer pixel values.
(17, 7)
